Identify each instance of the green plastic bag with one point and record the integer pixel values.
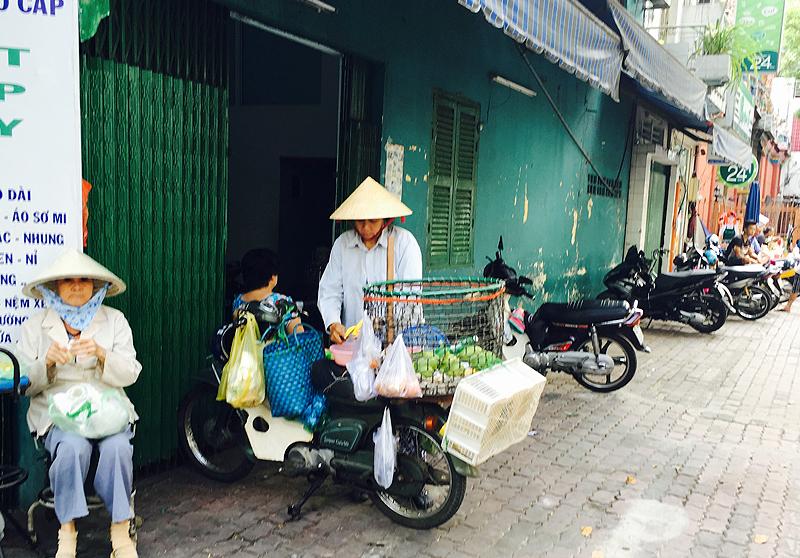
(243, 382)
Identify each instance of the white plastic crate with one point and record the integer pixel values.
(492, 410)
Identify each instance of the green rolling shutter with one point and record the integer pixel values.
(453, 181)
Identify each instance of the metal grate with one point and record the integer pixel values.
(595, 186)
(650, 129)
(185, 39)
(155, 133)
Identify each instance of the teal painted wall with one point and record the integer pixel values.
(565, 239)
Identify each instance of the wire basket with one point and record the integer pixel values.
(438, 312)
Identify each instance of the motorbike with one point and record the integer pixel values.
(754, 288)
(777, 280)
(694, 297)
(591, 340)
(751, 299)
(224, 443)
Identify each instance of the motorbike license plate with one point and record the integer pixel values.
(637, 331)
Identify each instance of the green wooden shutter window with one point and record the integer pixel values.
(452, 182)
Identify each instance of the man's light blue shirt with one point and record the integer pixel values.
(352, 266)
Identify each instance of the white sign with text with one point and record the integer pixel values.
(40, 160)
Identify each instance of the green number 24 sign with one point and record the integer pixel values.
(734, 175)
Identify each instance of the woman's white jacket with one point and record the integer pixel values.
(109, 329)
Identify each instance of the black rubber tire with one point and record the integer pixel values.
(608, 295)
(715, 311)
(403, 510)
(222, 460)
(753, 303)
(623, 354)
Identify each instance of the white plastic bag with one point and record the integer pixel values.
(367, 359)
(370, 347)
(396, 377)
(85, 411)
(385, 451)
(363, 378)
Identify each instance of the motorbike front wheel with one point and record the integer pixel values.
(621, 351)
(208, 431)
(753, 303)
(426, 490)
(714, 313)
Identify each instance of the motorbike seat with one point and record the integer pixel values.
(584, 312)
(678, 279)
(738, 272)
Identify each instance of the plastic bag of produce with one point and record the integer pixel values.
(396, 377)
(370, 345)
(385, 451)
(86, 411)
(363, 377)
(243, 383)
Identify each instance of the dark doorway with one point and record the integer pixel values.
(307, 195)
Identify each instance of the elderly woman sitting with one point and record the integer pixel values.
(75, 342)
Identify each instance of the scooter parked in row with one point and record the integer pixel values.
(694, 297)
(224, 443)
(754, 287)
(590, 339)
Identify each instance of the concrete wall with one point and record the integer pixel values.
(531, 178)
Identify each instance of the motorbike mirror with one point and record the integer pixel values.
(524, 280)
(500, 244)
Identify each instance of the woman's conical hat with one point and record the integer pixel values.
(73, 264)
(370, 201)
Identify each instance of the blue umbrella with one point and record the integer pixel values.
(753, 207)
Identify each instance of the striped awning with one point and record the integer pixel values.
(655, 68)
(564, 32)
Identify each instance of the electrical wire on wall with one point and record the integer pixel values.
(523, 51)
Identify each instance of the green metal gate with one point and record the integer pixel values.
(154, 107)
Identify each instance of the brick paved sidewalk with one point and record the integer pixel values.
(709, 430)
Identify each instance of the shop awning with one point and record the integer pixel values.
(564, 32)
(728, 146)
(654, 67)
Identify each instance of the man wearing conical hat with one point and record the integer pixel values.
(359, 256)
(78, 346)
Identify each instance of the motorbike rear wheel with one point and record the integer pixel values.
(208, 430)
(714, 311)
(621, 351)
(753, 303)
(427, 490)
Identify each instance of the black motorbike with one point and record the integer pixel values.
(691, 297)
(224, 443)
(592, 340)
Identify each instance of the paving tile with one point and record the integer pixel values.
(715, 430)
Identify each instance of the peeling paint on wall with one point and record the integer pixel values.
(574, 225)
(525, 213)
(589, 206)
(575, 272)
(408, 178)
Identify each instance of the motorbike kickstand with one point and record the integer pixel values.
(294, 510)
